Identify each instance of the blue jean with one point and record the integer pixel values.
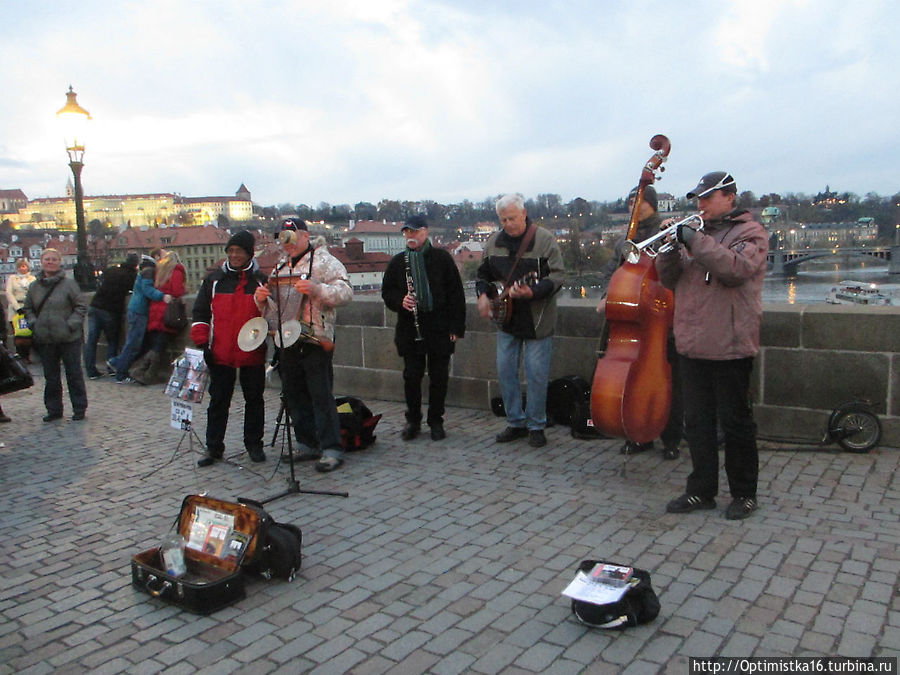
(137, 326)
(110, 324)
(537, 353)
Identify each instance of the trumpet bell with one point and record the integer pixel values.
(252, 334)
(290, 332)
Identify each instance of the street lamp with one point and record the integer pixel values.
(74, 120)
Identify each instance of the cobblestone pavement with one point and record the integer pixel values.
(447, 557)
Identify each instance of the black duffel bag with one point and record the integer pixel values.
(14, 374)
(639, 604)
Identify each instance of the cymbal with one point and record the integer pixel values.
(252, 334)
(291, 331)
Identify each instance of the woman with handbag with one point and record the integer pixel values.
(170, 275)
(16, 287)
(55, 309)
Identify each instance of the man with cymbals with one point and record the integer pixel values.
(224, 304)
(309, 284)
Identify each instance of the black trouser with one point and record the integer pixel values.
(221, 389)
(438, 376)
(69, 353)
(307, 385)
(671, 436)
(717, 394)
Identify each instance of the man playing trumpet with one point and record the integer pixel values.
(308, 286)
(224, 304)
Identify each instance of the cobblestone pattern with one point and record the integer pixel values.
(446, 558)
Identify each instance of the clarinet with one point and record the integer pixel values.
(411, 290)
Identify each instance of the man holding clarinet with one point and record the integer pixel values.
(422, 284)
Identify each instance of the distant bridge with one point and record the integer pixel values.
(783, 261)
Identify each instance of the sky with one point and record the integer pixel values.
(342, 101)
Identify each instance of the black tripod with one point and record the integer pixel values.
(284, 417)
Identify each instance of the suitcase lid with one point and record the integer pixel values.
(218, 532)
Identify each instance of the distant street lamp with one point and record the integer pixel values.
(74, 120)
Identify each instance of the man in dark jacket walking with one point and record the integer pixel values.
(422, 284)
(224, 304)
(105, 312)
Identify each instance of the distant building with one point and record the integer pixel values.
(665, 202)
(12, 200)
(376, 236)
(162, 209)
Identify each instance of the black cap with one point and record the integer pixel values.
(649, 196)
(132, 259)
(416, 222)
(295, 224)
(717, 180)
(244, 239)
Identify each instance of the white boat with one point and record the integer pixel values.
(857, 293)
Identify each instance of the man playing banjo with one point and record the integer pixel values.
(527, 260)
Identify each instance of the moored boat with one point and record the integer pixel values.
(857, 293)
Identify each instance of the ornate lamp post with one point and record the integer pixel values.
(74, 120)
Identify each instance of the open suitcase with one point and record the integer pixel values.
(219, 537)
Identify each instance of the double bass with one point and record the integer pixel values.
(631, 391)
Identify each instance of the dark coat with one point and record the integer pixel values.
(115, 285)
(448, 315)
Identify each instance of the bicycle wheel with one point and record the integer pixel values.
(855, 427)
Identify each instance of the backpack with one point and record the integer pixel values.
(278, 554)
(357, 423)
(639, 604)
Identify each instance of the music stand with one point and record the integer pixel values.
(285, 414)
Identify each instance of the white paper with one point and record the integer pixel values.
(583, 588)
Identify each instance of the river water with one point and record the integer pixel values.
(809, 286)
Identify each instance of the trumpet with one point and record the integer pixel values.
(633, 251)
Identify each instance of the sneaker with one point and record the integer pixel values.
(536, 438)
(671, 452)
(511, 434)
(327, 464)
(96, 375)
(410, 431)
(687, 503)
(256, 454)
(50, 417)
(632, 448)
(109, 366)
(208, 460)
(4, 419)
(741, 507)
(437, 432)
(77, 417)
(126, 380)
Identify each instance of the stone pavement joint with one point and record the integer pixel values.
(446, 558)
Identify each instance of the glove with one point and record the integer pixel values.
(685, 234)
(200, 334)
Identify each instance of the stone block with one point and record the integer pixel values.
(476, 355)
(365, 310)
(578, 321)
(873, 329)
(379, 352)
(793, 378)
(348, 346)
(781, 326)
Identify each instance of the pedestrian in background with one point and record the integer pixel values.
(55, 309)
(16, 288)
(105, 312)
(169, 279)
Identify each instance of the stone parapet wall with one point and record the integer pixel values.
(812, 359)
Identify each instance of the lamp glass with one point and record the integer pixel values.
(73, 121)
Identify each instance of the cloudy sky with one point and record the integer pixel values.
(357, 100)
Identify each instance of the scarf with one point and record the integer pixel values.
(416, 262)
